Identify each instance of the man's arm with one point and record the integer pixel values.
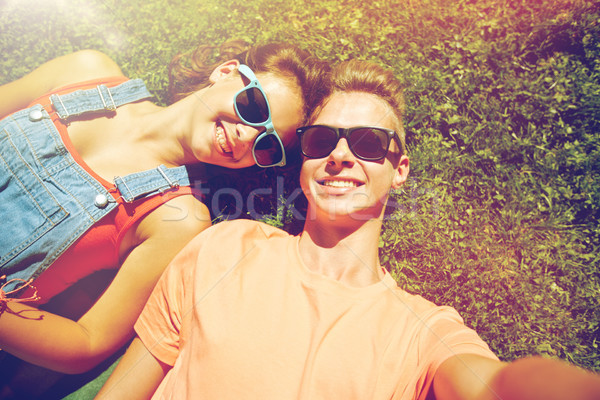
(137, 375)
(472, 377)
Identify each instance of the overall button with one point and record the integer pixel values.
(36, 115)
(101, 201)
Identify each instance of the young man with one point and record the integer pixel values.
(246, 311)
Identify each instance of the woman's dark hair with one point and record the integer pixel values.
(190, 72)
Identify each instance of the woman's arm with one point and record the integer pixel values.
(471, 377)
(137, 375)
(61, 344)
(72, 68)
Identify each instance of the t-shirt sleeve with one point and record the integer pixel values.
(165, 320)
(160, 323)
(444, 335)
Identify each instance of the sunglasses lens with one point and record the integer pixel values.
(369, 143)
(268, 151)
(252, 106)
(318, 141)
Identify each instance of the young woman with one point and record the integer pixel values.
(93, 177)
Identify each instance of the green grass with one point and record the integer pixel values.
(500, 216)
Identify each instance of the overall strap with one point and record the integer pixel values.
(100, 98)
(152, 181)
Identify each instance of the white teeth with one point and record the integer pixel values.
(221, 139)
(340, 184)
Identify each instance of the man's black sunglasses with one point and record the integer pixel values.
(367, 143)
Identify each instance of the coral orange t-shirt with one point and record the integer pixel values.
(239, 315)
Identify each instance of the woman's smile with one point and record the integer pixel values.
(221, 139)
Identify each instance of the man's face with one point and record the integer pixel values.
(341, 186)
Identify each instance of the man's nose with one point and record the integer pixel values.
(341, 155)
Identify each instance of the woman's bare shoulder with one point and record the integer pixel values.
(72, 68)
(81, 66)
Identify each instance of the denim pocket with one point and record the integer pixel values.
(28, 210)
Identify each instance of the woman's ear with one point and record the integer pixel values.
(223, 70)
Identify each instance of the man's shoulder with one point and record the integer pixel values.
(419, 307)
(231, 245)
(244, 229)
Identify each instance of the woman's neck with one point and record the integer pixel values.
(164, 132)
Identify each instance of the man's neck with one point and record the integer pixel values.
(349, 254)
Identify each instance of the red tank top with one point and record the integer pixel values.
(98, 248)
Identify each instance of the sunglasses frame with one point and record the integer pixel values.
(343, 133)
(268, 124)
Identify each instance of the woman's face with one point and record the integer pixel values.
(219, 135)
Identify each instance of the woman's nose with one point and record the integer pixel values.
(247, 133)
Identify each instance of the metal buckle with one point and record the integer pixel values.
(61, 116)
(171, 183)
(130, 197)
(108, 107)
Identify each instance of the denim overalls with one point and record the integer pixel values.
(47, 200)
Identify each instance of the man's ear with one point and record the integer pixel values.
(223, 70)
(401, 172)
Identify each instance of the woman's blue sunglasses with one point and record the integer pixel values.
(253, 109)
